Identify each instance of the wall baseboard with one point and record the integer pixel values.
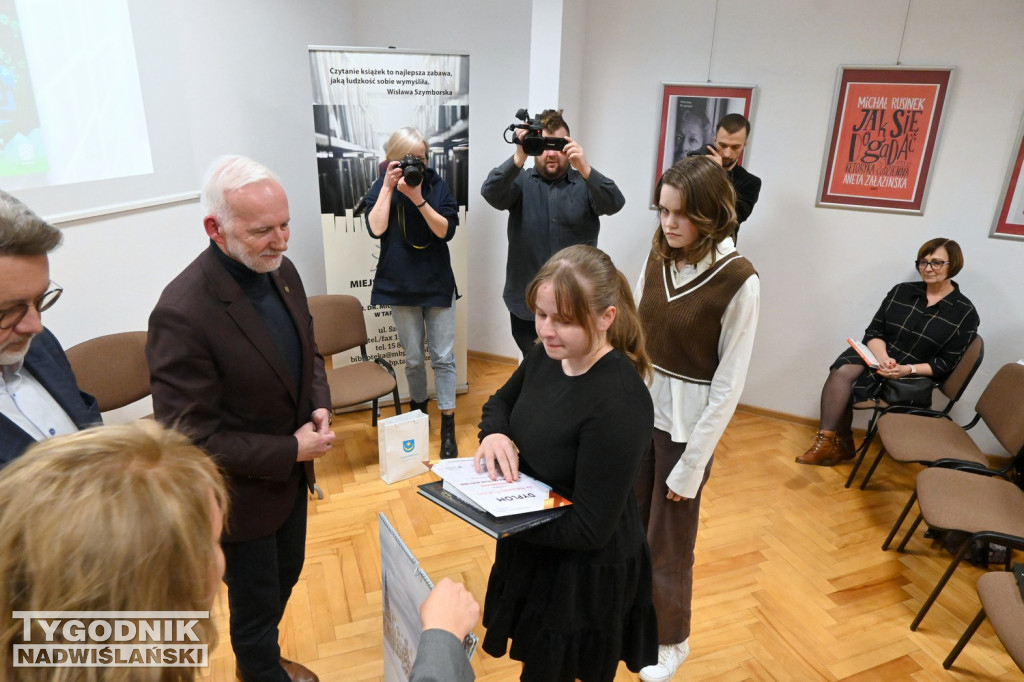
(492, 357)
(786, 417)
(775, 414)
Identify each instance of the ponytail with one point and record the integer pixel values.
(626, 334)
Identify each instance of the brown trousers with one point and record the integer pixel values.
(672, 533)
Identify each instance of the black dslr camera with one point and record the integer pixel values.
(412, 169)
(703, 151)
(533, 142)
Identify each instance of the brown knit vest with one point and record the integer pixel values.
(682, 325)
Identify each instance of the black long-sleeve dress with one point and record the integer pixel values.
(574, 595)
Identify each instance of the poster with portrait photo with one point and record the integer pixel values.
(884, 128)
(1009, 221)
(689, 118)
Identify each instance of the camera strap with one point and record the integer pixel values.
(405, 236)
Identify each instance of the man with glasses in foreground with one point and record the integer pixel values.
(39, 396)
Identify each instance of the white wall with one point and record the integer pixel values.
(545, 50)
(823, 271)
(246, 90)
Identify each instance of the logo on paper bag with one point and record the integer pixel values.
(409, 445)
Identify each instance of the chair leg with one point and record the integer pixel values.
(862, 453)
(874, 465)
(373, 411)
(910, 533)
(942, 582)
(968, 633)
(398, 403)
(865, 445)
(899, 521)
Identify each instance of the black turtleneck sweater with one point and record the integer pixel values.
(264, 296)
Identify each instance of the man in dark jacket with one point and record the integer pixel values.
(234, 366)
(730, 141)
(39, 397)
(555, 204)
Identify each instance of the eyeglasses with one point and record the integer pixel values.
(15, 314)
(933, 264)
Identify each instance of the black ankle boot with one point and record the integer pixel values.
(449, 447)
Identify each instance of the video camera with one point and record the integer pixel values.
(533, 141)
(412, 169)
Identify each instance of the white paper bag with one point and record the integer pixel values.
(404, 446)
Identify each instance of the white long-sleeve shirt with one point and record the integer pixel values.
(697, 414)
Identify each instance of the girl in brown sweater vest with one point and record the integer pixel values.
(698, 304)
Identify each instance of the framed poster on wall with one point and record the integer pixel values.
(690, 113)
(884, 125)
(1009, 222)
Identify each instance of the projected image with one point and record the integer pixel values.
(79, 117)
(21, 143)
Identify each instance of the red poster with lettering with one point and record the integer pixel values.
(883, 137)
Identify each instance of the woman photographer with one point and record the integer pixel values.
(412, 211)
(921, 328)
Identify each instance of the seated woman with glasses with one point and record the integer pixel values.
(920, 328)
(413, 213)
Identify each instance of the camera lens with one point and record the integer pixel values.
(413, 175)
(533, 145)
(412, 170)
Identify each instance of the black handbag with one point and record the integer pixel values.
(915, 391)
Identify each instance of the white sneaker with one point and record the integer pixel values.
(670, 657)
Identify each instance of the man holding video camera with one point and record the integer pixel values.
(550, 206)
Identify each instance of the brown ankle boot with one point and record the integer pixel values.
(824, 452)
(845, 448)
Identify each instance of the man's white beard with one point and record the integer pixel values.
(256, 264)
(15, 357)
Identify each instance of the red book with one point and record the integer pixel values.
(865, 353)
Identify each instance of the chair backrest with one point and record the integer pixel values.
(112, 368)
(956, 383)
(1001, 405)
(338, 323)
(1001, 600)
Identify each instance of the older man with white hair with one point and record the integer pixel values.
(234, 366)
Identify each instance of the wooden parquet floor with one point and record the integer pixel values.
(790, 580)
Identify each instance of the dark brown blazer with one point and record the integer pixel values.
(217, 376)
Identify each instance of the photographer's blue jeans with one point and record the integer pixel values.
(439, 324)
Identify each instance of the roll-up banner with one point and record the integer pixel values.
(360, 97)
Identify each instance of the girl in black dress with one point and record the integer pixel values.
(574, 595)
